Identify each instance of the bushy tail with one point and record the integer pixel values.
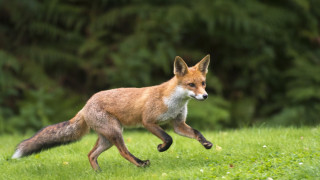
(54, 135)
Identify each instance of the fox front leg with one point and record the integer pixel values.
(202, 139)
(160, 133)
(181, 128)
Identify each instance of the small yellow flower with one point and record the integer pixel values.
(65, 163)
(218, 148)
(129, 139)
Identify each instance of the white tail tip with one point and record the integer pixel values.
(17, 154)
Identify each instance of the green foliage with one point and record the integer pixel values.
(265, 57)
(36, 112)
(210, 114)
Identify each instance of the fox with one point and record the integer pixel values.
(108, 112)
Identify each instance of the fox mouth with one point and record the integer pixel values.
(194, 97)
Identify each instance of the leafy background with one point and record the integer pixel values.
(265, 57)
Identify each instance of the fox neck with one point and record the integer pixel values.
(176, 99)
(175, 92)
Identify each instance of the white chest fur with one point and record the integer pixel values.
(176, 104)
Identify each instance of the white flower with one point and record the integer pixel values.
(228, 172)
(264, 146)
(201, 170)
(300, 163)
(269, 178)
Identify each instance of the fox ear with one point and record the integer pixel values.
(202, 66)
(180, 67)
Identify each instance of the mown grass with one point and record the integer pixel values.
(283, 153)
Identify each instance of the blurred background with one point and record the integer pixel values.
(264, 71)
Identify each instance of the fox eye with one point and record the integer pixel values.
(191, 85)
(203, 83)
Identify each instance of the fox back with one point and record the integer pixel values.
(159, 104)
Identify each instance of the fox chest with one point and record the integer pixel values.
(174, 108)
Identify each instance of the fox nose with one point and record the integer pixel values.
(205, 96)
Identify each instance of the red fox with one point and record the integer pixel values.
(106, 112)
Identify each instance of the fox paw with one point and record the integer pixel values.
(207, 145)
(161, 149)
(144, 163)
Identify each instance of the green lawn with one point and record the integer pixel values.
(284, 153)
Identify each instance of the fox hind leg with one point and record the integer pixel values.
(117, 140)
(102, 144)
(112, 131)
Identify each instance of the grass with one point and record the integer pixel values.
(277, 153)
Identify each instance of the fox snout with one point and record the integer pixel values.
(201, 97)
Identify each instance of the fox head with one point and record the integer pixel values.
(192, 80)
